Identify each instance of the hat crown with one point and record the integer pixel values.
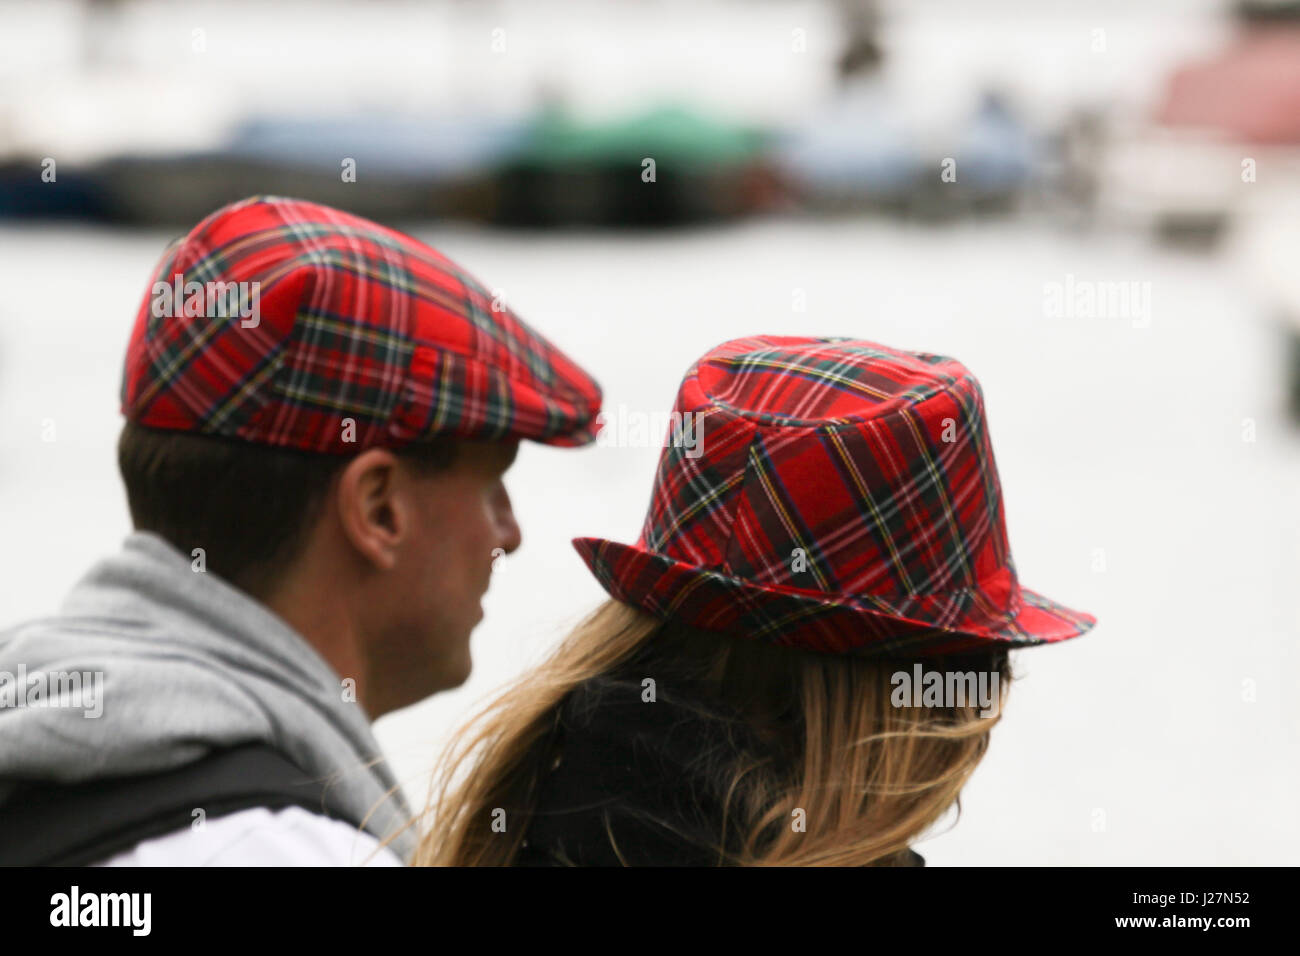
(840, 467)
(822, 381)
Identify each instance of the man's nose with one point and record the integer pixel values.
(508, 528)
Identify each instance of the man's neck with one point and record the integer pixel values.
(325, 622)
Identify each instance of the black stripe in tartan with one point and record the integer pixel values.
(840, 446)
(235, 407)
(325, 334)
(711, 492)
(785, 525)
(971, 402)
(377, 271)
(761, 624)
(451, 409)
(827, 373)
(928, 478)
(211, 266)
(505, 330)
(501, 410)
(166, 273)
(944, 383)
(174, 358)
(365, 236)
(362, 262)
(973, 420)
(521, 341)
(229, 412)
(171, 359)
(306, 230)
(337, 331)
(554, 415)
(289, 386)
(914, 505)
(394, 273)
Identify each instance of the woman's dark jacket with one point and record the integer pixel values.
(640, 776)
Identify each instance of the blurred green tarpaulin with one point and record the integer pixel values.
(667, 134)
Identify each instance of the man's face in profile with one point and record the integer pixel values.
(461, 521)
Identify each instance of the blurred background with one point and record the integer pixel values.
(1094, 205)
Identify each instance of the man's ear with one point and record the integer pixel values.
(372, 510)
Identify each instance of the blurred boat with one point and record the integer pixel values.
(996, 156)
(860, 152)
(1183, 173)
(1250, 93)
(386, 145)
(665, 166)
(405, 168)
(24, 195)
(863, 153)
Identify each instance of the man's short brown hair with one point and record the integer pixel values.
(249, 507)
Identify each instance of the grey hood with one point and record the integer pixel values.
(189, 664)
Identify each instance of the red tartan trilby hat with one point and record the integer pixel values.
(835, 495)
(290, 323)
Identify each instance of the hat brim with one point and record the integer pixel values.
(712, 601)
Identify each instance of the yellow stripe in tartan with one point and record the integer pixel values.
(440, 390)
(865, 495)
(316, 399)
(786, 521)
(354, 331)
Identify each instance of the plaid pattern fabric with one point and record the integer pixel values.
(843, 498)
(360, 336)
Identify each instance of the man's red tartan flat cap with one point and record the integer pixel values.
(834, 495)
(289, 323)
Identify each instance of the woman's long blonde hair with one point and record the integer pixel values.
(868, 776)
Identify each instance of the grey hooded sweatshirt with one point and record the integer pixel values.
(189, 664)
